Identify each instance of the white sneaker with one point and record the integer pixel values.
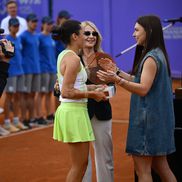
(3, 132)
(11, 128)
(21, 126)
(1, 110)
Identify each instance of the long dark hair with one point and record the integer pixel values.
(154, 38)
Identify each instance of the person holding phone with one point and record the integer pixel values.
(4, 67)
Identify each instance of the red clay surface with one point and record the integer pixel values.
(33, 156)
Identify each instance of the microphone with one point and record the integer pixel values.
(1, 30)
(173, 20)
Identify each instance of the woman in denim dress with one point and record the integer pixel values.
(151, 124)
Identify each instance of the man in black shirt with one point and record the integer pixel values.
(4, 65)
(3, 75)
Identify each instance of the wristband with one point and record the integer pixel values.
(121, 82)
(117, 81)
(118, 72)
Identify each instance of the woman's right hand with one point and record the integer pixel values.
(108, 76)
(99, 96)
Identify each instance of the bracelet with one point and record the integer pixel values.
(96, 87)
(120, 82)
(117, 82)
(86, 95)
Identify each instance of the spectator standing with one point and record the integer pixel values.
(12, 8)
(47, 67)
(31, 67)
(61, 18)
(15, 82)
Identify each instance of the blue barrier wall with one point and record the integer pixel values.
(115, 19)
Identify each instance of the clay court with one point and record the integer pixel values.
(33, 156)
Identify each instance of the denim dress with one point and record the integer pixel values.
(151, 123)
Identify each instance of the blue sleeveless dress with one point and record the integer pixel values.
(151, 123)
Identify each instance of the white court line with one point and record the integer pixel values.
(120, 121)
(48, 126)
(27, 131)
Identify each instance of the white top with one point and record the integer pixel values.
(23, 24)
(79, 84)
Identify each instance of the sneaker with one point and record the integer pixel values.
(50, 117)
(33, 123)
(27, 124)
(3, 132)
(11, 128)
(41, 121)
(21, 126)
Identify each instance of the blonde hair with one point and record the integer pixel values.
(97, 47)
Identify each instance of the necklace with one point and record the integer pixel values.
(89, 60)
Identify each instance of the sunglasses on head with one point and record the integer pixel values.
(88, 33)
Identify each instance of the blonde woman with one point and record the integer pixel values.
(100, 114)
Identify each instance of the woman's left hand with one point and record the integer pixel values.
(108, 76)
(107, 64)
